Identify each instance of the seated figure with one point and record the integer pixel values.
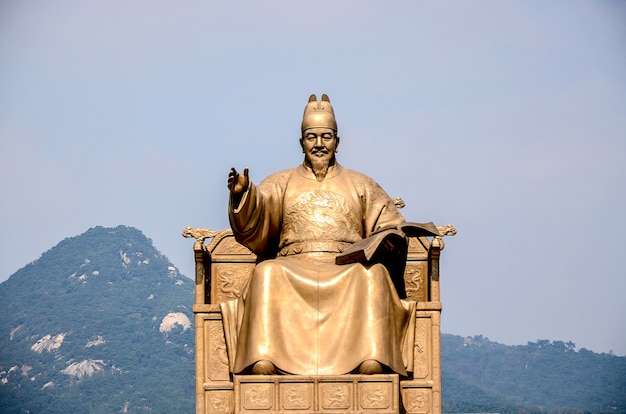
(300, 312)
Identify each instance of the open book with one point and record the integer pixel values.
(384, 241)
(388, 247)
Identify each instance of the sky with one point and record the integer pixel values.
(506, 119)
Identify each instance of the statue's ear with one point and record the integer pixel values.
(325, 98)
(301, 140)
(312, 98)
(337, 139)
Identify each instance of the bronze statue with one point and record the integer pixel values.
(300, 312)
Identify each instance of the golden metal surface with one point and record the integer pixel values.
(319, 114)
(300, 310)
(199, 234)
(448, 230)
(276, 295)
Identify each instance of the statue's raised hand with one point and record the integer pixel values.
(238, 183)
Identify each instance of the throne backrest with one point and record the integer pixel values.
(223, 266)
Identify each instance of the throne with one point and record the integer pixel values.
(223, 267)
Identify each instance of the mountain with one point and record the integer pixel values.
(479, 375)
(100, 323)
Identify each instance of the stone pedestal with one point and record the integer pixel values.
(296, 394)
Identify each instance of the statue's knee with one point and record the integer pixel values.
(265, 267)
(377, 271)
(263, 271)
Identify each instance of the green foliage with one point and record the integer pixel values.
(110, 288)
(544, 377)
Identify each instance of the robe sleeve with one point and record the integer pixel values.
(380, 211)
(256, 220)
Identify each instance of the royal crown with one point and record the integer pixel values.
(319, 114)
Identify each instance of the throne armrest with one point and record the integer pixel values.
(222, 266)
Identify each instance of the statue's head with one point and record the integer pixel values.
(319, 139)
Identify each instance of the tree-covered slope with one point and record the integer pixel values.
(99, 323)
(543, 375)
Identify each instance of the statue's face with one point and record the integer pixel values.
(319, 144)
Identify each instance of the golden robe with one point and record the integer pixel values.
(300, 310)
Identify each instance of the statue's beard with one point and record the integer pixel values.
(320, 168)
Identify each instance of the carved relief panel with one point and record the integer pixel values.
(416, 272)
(417, 400)
(423, 348)
(296, 396)
(216, 358)
(336, 395)
(219, 402)
(231, 266)
(376, 395)
(226, 245)
(416, 281)
(228, 279)
(257, 396)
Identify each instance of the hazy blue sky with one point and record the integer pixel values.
(504, 118)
